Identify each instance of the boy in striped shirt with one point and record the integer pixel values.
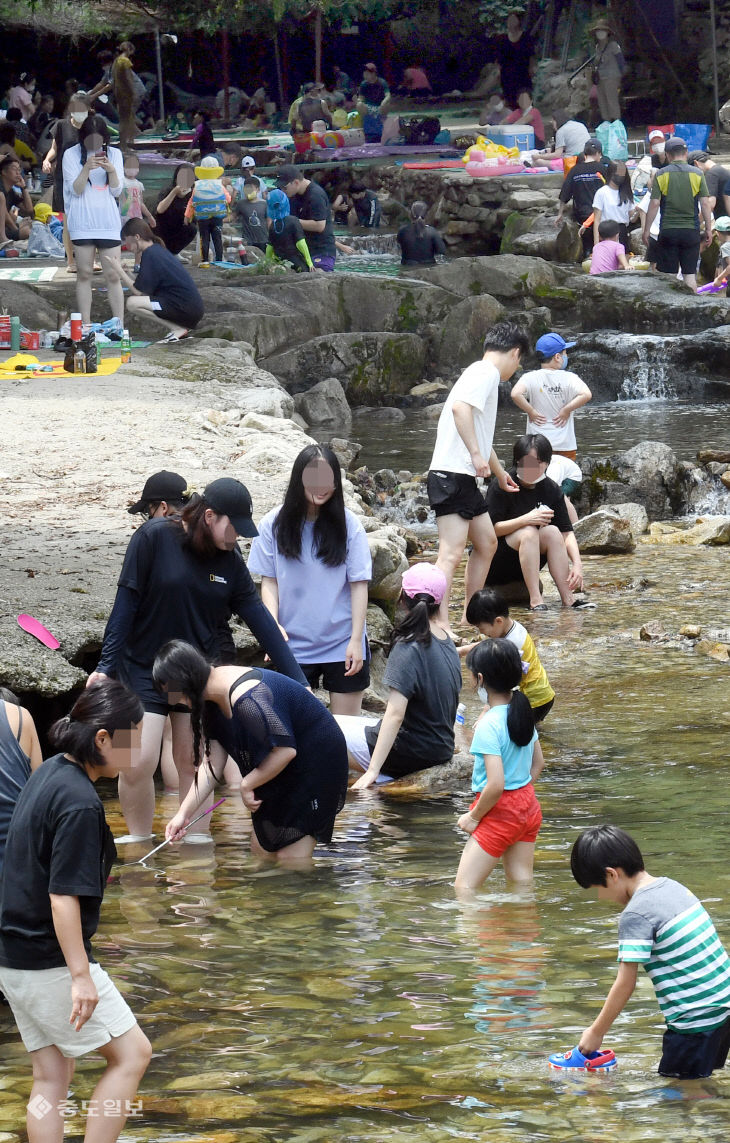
(665, 928)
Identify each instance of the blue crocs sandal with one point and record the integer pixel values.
(574, 1060)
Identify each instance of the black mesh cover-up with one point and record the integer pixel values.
(310, 791)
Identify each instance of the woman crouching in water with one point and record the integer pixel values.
(287, 745)
(57, 859)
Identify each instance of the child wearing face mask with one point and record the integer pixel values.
(495, 112)
(504, 818)
(551, 394)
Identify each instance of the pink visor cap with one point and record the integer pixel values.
(425, 579)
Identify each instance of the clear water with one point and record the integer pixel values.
(601, 429)
(361, 1001)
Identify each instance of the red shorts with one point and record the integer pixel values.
(516, 817)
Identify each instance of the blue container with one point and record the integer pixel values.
(519, 135)
(695, 135)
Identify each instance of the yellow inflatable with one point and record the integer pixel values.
(485, 151)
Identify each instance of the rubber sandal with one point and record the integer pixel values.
(574, 1060)
(582, 605)
(539, 607)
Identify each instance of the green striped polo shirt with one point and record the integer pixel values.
(665, 928)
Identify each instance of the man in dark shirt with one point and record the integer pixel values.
(14, 196)
(717, 178)
(580, 185)
(372, 103)
(250, 210)
(366, 205)
(310, 204)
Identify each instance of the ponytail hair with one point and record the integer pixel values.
(498, 662)
(180, 668)
(138, 228)
(419, 210)
(106, 705)
(415, 628)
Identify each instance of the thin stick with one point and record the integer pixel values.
(141, 860)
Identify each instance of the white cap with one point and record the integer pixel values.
(248, 161)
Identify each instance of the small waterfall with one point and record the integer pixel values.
(374, 243)
(647, 379)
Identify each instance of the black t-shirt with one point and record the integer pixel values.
(58, 842)
(65, 135)
(581, 184)
(284, 241)
(313, 204)
(418, 248)
(374, 93)
(164, 279)
(716, 177)
(367, 208)
(509, 505)
(514, 64)
(171, 225)
(251, 216)
(13, 196)
(179, 595)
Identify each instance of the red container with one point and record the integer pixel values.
(30, 339)
(4, 329)
(76, 327)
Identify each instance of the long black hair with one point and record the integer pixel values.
(92, 125)
(106, 705)
(415, 627)
(623, 182)
(180, 667)
(498, 662)
(419, 210)
(330, 526)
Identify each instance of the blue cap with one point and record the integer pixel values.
(551, 343)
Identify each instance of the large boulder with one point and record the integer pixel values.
(388, 552)
(35, 311)
(267, 333)
(324, 402)
(374, 368)
(641, 302)
(651, 470)
(457, 341)
(273, 402)
(636, 515)
(538, 237)
(604, 534)
(502, 275)
(638, 366)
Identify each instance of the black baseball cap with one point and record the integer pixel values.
(158, 487)
(287, 174)
(228, 497)
(675, 143)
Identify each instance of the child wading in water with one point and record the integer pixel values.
(505, 816)
(665, 928)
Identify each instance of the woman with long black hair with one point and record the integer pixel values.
(287, 745)
(171, 226)
(58, 856)
(314, 558)
(419, 243)
(614, 202)
(182, 579)
(93, 177)
(424, 678)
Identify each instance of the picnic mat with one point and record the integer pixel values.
(28, 273)
(106, 366)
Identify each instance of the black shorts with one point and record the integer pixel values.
(652, 251)
(541, 712)
(334, 678)
(694, 1055)
(678, 250)
(153, 701)
(99, 243)
(455, 494)
(505, 566)
(171, 313)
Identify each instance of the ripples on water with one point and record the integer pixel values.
(360, 1002)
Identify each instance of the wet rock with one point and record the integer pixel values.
(346, 451)
(653, 632)
(433, 412)
(385, 480)
(719, 651)
(373, 367)
(636, 515)
(691, 630)
(501, 275)
(707, 455)
(650, 473)
(325, 401)
(448, 778)
(725, 478)
(387, 416)
(713, 531)
(603, 533)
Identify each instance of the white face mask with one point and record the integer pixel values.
(528, 478)
(601, 35)
(482, 695)
(498, 105)
(78, 117)
(658, 148)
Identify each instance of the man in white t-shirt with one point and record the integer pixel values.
(463, 452)
(550, 395)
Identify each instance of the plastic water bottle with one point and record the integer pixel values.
(460, 715)
(126, 347)
(79, 361)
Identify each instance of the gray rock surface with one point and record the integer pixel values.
(373, 367)
(603, 534)
(324, 402)
(457, 341)
(636, 515)
(502, 275)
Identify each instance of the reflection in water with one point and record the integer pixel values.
(363, 1002)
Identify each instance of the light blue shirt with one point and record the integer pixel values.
(315, 608)
(492, 737)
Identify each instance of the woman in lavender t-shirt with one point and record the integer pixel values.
(313, 556)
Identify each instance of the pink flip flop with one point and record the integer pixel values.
(36, 628)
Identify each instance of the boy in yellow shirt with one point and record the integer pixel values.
(488, 611)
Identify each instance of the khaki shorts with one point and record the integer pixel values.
(41, 1004)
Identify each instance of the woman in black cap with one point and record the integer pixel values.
(182, 579)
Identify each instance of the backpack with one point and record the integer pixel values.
(421, 131)
(209, 199)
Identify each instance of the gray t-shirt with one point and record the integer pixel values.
(430, 678)
(665, 928)
(573, 136)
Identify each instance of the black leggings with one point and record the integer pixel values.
(211, 228)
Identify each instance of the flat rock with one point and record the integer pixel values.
(713, 531)
(603, 534)
(636, 515)
(502, 275)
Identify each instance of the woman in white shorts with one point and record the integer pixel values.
(58, 856)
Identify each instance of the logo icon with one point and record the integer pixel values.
(39, 1106)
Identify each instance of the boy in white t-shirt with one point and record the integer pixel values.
(463, 452)
(550, 395)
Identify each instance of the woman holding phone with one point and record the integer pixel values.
(93, 174)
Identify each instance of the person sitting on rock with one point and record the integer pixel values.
(365, 206)
(533, 529)
(495, 112)
(526, 113)
(424, 679)
(571, 137)
(608, 253)
(551, 394)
